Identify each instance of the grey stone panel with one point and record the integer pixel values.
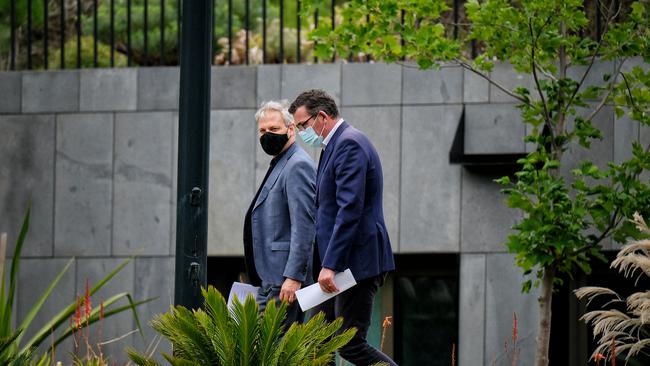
(485, 218)
(52, 91)
(298, 78)
(626, 131)
(631, 63)
(503, 298)
(493, 129)
(27, 175)
(269, 79)
(601, 152)
(471, 328)
(143, 183)
(506, 76)
(371, 84)
(93, 270)
(476, 89)
(158, 88)
(108, 90)
(10, 92)
(234, 87)
(155, 280)
(382, 125)
(34, 277)
(432, 86)
(595, 75)
(430, 188)
(84, 162)
(232, 176)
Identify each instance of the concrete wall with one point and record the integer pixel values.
(95, 152)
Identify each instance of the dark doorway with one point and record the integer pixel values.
(426, 308)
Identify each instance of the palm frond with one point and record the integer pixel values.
(245, 322)
(139, 358)
(270, 331)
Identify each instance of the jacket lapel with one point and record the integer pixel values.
(277, 170)
(331, 146)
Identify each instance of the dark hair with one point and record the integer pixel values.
(315, 100)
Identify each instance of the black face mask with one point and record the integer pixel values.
(273, 143)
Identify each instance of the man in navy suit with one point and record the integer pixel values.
(350, 228)
(279, 225)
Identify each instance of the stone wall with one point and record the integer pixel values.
(95, 153)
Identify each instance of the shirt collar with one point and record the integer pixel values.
(332, 132)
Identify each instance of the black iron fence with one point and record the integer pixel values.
(45, 34)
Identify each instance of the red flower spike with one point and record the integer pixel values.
(87, 301)
(515, 328)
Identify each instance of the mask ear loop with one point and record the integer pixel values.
(322, 129)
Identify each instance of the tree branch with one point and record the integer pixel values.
(491, 81)
(595, 54)
(607, 94)
(613, 222)
(547, 116)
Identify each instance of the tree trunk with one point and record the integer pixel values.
(544, 331)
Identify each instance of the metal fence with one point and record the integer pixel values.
(43, 34)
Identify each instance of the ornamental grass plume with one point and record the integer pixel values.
(622, 332)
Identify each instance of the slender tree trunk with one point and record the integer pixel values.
(544, 332)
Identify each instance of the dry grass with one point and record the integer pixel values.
(623, 332)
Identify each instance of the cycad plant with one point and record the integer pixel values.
(240, 335)
(621, 332)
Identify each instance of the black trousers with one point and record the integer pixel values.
(355, 307)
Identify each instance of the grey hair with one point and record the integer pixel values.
(281, 106)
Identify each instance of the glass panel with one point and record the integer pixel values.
(426, 319)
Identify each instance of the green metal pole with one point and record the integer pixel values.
(193, 152)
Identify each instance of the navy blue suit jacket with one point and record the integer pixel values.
(350, 228)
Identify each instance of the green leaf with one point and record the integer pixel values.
(44, 296)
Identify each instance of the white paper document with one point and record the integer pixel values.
(241, 290)
(311, 296)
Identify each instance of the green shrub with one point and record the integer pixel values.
(242, 336)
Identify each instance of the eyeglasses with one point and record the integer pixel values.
(301, 125)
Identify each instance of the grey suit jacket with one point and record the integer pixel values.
(283, 220)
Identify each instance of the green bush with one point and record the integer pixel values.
(242, 336)
(87, 52)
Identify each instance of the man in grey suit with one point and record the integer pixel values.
(279, 225)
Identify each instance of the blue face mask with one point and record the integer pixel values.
(310, 137)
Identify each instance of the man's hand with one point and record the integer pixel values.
(288, 290)
(326, 280)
